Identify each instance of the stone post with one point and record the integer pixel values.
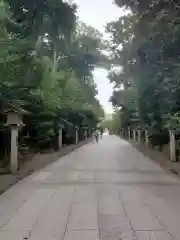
(14, 149)
(86, 134)
(134, 135)
(60, 138)
(89, 131)
(77, 136)
(129, 133)
(123, 132)
(120, 132)
(172, 146)
(146, 138)
(139, 135)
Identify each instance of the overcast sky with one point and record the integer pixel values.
(98, 13)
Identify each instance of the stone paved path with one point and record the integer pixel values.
(104, 191)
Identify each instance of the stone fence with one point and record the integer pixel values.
(142, 136)
(15, 123)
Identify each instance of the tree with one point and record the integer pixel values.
(45, 71)
(145, 45)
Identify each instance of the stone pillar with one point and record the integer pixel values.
(134, 135)
(172, 146)
(146, 138)
(14, 149)
(120, 132)
(86, 134)
(60, 138)
(139, 135)
(123, 133)
(77, 136)
(90, 132)
(129, 133)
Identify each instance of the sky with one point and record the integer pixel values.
(98, 13)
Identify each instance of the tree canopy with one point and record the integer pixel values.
(145, 44)
(46, 59)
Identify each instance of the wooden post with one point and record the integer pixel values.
(172, 146)
(60, 138)
(146, 138)
(134, 135)
(14, 149)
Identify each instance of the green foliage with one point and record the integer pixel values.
(146, 46)
(46, 62)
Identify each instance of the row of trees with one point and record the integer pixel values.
(46, 61)
(145, 56)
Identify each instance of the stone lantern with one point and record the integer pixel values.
(14, 118)
(14, 121)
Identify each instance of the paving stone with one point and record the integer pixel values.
(46, 235)
(108, 200)
(113, 227)
(131, 187)
(153, 235)
(27, 216)
(176, 234)
(60, 203)
(50, 221)
(64, 193)
(85, 195)
(4, 218)
(129, 194)
(58, 207)
(82, 235)
(117, 235)
(142, 218)
(83, 222)
(110, 222)
(86, 177)
(127, 236)
(110, 205)
(17, 195)
(41, 176)
(63, 176)
(4, 235)
(20, 222)
(84, 208)
(135, 178)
